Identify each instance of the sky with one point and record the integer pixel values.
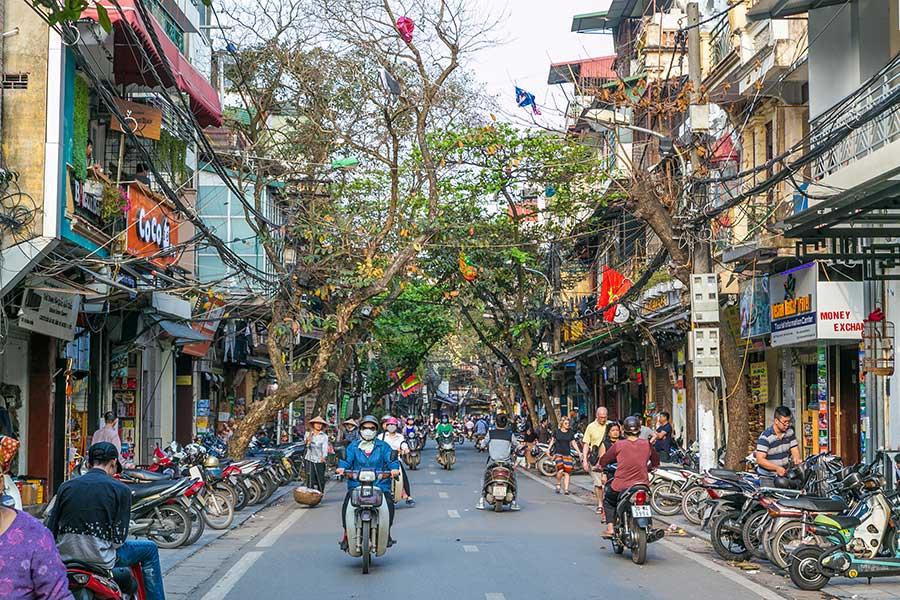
(536, 33)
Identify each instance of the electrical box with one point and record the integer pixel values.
(699, 116)
(706, 352)
(705, 298)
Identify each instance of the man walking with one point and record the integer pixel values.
(777, 449)
(594, 434)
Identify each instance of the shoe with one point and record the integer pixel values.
(598, 511)
(391, 542)
(410, 502)
(557, 489)
(514, 506)
(566, 492)
(344, 545)
(480, 504)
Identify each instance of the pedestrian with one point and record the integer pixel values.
(109, 433)
(530, 438)
(646, 432)
(777, 449)
(316, 452)
(563, 445)
(662, 441)
(594, 435)
(543, 431)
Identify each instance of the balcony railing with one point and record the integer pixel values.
(720, 43)
(866, 139)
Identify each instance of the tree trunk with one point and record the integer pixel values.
(331, 379)
(737, 404)
(541, 388)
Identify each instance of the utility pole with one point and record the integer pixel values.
(704, 387)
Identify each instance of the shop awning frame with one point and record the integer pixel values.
(780, 9)
(182, 334)
(130, 67)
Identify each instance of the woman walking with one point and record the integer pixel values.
(316, 452)
(613, 434)
(561, 446)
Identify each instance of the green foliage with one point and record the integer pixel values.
(80, 118)
(172, 153)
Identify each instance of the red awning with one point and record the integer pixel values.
(130, 65)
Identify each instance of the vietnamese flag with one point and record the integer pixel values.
(613, 286)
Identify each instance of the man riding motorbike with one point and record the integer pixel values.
(90, 520)
(444, 427)
(501, 448)
(632, 456)
(371, 454)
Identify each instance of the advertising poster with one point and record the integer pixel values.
(759, 382)
(754, 307)
(822, 392)
(792, 301)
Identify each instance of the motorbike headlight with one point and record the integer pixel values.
(367, 476)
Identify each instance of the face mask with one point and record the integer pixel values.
(392, 428)
(367, 434)
(445, 421)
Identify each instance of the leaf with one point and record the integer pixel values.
(103, 17)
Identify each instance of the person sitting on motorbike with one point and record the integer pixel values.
(90, 519)
(632, 454)
(398, 443)
(368, 452)
(481, 426)
(410, 429)
(444, 427)
(501, 448)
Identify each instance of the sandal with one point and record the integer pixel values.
(557, 489)
(566, 492)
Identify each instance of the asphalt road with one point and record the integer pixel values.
(449, 550)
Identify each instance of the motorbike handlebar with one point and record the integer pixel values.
(378, 474)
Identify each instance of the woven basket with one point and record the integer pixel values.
(307, 496)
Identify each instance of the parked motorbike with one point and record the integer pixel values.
(89, 582)
(499, 486)
(633, 524)
(157, 514)
(547, 465)
(367, 517)
(667, 484)
(446, 451)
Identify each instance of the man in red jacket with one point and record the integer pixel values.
(634, 458)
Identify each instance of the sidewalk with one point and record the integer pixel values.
(767, 574)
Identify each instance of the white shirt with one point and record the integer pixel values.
(394, 440)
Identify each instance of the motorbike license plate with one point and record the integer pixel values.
(196, 472)
(641, 512)
(499, 491)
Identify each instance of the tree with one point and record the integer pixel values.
(525, 190)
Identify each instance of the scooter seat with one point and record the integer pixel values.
(143, 475)
(125, 580)
(726, 474)
(814, 504)
(145, 490)
(845, 522)
(83, 566)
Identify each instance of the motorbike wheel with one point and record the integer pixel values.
(171, 526)
(198, 526)
(366, 550)
(228, 490)
(218, 512)
(727, 543)
(750, 533)
(804, 569)
(547, 467)
(498, 506)
(639, 549)
(665, 506)
(787, 533)
(692, 504)
(241, 494)
(254, 491)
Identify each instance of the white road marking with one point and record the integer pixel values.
(470, 548)
(432, 472)
(453, 514)
(276, 532)
(494, 596)
(759, 590)
(443, 495)
(437, 481)
(234, 574)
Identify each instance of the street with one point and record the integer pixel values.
(447, 549)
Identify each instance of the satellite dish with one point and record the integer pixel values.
(622, 314)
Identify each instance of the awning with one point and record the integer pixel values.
(779, 9)
(131, 67)
(586, 68)
(571, 355)
(182, 333)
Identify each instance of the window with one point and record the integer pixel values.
(15, 81)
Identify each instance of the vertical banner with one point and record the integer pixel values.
(822, 393)
(863, 411)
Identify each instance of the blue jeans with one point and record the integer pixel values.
(146, 553)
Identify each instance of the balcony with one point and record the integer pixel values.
(866, 139)
(721, 44)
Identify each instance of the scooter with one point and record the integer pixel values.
(89, 582)
(446, 451)
(11, 497)
(499, 486)
(412, 458)
(633, 525)
(481, 443)
(667, 486)
(367, 517)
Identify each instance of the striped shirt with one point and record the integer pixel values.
(777, 450)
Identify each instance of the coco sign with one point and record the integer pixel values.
(152, 227)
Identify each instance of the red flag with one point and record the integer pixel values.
(613, 286)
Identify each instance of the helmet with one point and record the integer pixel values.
(631, 426)
(368, 419)
(391, 421)
(211, 462)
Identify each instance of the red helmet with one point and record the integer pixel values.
(391, 421)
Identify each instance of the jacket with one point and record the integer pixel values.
(380, 460)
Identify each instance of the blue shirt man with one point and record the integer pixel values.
(481, 427)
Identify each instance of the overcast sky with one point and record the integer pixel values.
(537, 33)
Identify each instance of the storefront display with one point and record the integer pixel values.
(126, 400)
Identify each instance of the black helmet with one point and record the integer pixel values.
(631, 426)
(368, 419)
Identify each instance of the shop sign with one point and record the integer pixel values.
(840, 308)
(184, 380)
(152, 228)
(754, 307)
(655, 304)
(206, 325)
(759, 382)
(52, 314)
(141, 119)
(792, 301)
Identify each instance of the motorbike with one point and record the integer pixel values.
(667, 486)
(481, 443)
(633, 524)
(446, 451)
(367, 517)
(89, 582)
(157, 514)
(11, 496)
(413, 457)
(547, 465)
(499, 485)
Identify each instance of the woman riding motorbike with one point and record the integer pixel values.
(398, 443)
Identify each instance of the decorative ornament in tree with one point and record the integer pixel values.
(466, 268)
(405, 28)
